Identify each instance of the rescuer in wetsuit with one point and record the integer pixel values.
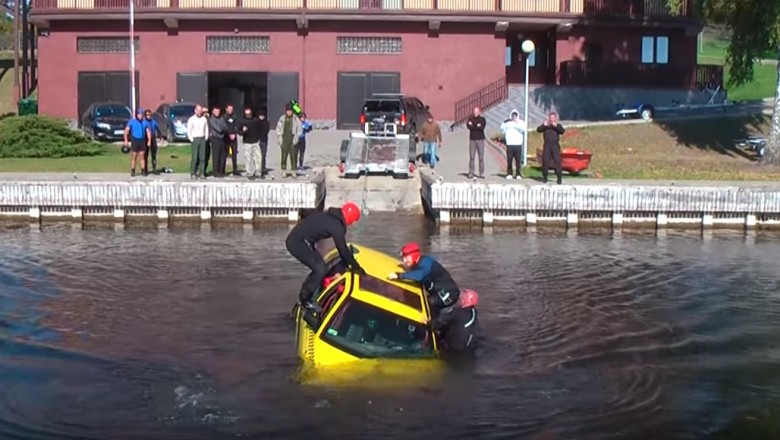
(458, 329)
(318, 226)
(443, 292)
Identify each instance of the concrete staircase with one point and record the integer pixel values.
(516, 100)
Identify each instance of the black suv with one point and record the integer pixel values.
(407, 112)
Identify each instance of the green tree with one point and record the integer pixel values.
(754, 26)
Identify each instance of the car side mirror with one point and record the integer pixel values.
(312, 320)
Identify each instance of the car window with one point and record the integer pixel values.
(370, 332)
(390, 291)
(329, 298)
(393, 106)
(113, 110)
(180, 111)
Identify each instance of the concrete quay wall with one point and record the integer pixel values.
(691, 205)
(114, 197)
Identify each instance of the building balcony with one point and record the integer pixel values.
(549, 8)
(632, 74)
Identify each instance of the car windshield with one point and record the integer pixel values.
(390, 291)
(370, 332)
(377, 106)
(113, 110)
(180, 111)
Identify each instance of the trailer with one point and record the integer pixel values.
(647, 111)
(378, 149)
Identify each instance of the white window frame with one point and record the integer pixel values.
(655, 49)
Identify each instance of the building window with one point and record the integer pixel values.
(508, 56)
(105, 44)
(369, 45)
(532, 59)
(655, 50)
(238, 44)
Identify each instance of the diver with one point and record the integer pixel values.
(443, 292)
(458, 328)
(304, 236)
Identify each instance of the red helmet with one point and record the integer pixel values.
(411, 250)
(351, 213)
(468, 298)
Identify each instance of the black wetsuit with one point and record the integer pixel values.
(458, 329)
(551, 151)
(305, 235)
(442, 289)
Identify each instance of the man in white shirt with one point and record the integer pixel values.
(198, 132)
(514, 131)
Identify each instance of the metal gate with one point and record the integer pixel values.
(193, 87)
(353, 88)
(103, 87)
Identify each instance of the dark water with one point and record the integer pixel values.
(148, 333)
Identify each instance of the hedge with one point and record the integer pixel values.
(36, 136)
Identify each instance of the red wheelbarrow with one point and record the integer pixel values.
(573, 160)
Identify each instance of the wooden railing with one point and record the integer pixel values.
(636, 8)
(626, 74)
(483, 98)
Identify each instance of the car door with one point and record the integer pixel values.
(160, 116)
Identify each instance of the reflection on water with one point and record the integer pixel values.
(181, 332)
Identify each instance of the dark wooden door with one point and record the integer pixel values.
(282, 87)
(193, 87)
(105, 86)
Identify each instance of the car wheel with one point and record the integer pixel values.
(646, 113)
(169, 135)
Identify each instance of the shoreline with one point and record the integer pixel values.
(689, 204)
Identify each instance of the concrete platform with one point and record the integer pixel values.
(449, 196)
(117, 196)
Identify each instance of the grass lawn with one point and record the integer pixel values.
(176, 157)
(685, 150)
(713, 51)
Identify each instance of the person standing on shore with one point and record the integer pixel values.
(514, 130)
(476, 125)
(430, 135)
(301, 145)
(197, 133)
(138, 137)
(231, 141)
(255, 146)
(288, 131)
(155, 129)
(551, 132)
(218, 130)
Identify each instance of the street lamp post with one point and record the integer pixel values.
(528, 48)
(132, 57)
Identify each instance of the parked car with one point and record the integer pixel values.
(106, 121)
(172, 120)
(407, 112)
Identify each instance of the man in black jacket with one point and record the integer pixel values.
(304, 236)
(231, 141)
(476, 125)
(255, 132)
(217, 133)
(458, 328)
(551, 132)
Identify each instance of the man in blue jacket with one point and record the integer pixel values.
(443, 292)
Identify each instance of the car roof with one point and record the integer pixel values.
(410, 299)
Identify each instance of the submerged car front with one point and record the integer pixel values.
(370, 331)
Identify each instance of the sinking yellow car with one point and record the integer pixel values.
(369, 327)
